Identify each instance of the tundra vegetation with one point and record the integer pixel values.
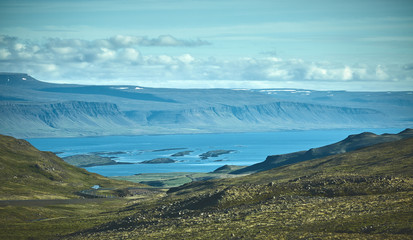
(362, 194)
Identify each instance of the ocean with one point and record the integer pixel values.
(246, 148)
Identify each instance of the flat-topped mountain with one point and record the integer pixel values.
(31, 108)
(351, 143)
(21, 80)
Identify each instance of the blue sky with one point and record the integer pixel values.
(321, 44)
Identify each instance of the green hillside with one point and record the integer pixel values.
(365, 194)
(27, 173)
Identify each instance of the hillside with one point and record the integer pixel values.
(31, 108)
(364, 194)
(351, 143)
(27, 173)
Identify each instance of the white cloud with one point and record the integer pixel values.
(167, 40)
(106, 54)
(120, 41)
(129, 54)
(119, 59)
(186, 58)
(381, 73)
(19, 47)
(347, 73)
(63, 50)
(4, 54)
(165, 60)
(124, 41)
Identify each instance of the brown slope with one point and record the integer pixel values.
(27, 173)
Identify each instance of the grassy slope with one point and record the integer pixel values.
(366, 194)
(27, 173)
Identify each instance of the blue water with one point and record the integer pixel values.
(249, 148)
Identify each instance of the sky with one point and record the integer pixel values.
(355, 45)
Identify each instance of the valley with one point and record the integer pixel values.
(365, 193)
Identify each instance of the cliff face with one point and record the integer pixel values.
(69, 118)
(93, 118)
(276, 114)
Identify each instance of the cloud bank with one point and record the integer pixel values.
(118, 60)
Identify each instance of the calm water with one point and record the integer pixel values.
(249, 148)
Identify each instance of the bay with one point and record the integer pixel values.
(247, 148)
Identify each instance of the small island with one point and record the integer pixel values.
(159, 160)
(214, 153)
(181, 154)
(90, 160)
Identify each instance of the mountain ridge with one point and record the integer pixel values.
(134, 110)
(351, 143)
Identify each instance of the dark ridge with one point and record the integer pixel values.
(407, 131)
(22, 80)
(227, 168)
(351, 143)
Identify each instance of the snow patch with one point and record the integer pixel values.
(120, 88)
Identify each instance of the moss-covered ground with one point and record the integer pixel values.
(365, 194)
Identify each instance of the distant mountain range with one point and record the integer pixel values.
(31, 108)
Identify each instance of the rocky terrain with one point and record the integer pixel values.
(362, 194)
(365, 194)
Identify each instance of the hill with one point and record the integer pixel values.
(32, 108)
(351, 143)
(363, 194)
(27, 173)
